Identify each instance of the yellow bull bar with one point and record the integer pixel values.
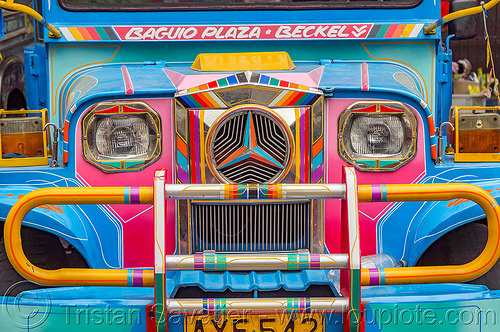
(144, 195)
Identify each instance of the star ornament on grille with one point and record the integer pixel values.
(250, 150)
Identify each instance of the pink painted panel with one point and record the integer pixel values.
(369, 213)
(136, 220)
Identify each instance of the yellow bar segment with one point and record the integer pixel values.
(68, 276)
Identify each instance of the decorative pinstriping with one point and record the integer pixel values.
(249, 147)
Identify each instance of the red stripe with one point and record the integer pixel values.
(391, 30)
(93, 33)
(200, 99)
(284, 84)
(213, 85)
(296, 97)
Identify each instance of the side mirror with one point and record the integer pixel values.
(464, 27)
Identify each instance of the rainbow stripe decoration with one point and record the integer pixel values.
(249, 191)
(303, 261)
(377, 277)
(210, 262)
(89, 33)
(395, 30)
(302, 304)
(211, 306)
(203, 96)
(135, 278)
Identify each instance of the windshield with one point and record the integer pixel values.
(230, 4)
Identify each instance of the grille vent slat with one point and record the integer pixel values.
(251, 227)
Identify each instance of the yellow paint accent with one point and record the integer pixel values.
(67, 276)
(243, 61)
(407, 30)
(76, 34)
(297, 146)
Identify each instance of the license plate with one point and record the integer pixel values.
(300, 322)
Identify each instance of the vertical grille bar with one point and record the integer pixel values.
(251, 227)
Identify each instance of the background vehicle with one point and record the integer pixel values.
(247, 93)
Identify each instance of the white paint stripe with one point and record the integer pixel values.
(159, 219)
(416, 30)
(67, 34)
(279, 97)
(219, 102)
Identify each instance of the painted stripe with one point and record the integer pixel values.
(137, 278)
(278, 99)
(399, 30)
(390, 31)
(93, 34)
(129, 88)
(364, 77)
(430, 121)
(126, 195)
(374, 31)
(215, 100)
(382, 277)
(67, 34)
(297, 97)
(135, 197)
(407, 30)
(317, 174)
(102, 33)
(189, 101)
(182, 174)
(196, 126)
(232, 80)
(76, 33)
(416, 30)
(318, 160)
(374, 277)
(382, 31)
(307, 146)
(376, 193)
(111, 34)
(84, 33)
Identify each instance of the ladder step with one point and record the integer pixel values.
(248, 262)
(256, 305)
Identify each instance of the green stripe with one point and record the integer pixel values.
(160, 298)
(382, 31)
(222, 82)
(195, 103)
(355, 300)
(274, 81)
(102, 33)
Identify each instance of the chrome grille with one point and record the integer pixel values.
(251, 227)
(250, 147)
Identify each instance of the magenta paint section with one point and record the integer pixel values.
(137, 220)
(370, 213)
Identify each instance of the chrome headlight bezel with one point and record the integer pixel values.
(377, 136)
(133, 127)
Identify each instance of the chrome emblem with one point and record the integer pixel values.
(250, 146)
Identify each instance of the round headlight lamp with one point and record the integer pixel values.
(121, 136)
(377, 136)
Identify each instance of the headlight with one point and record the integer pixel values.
(121, 136)
(377, 136)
